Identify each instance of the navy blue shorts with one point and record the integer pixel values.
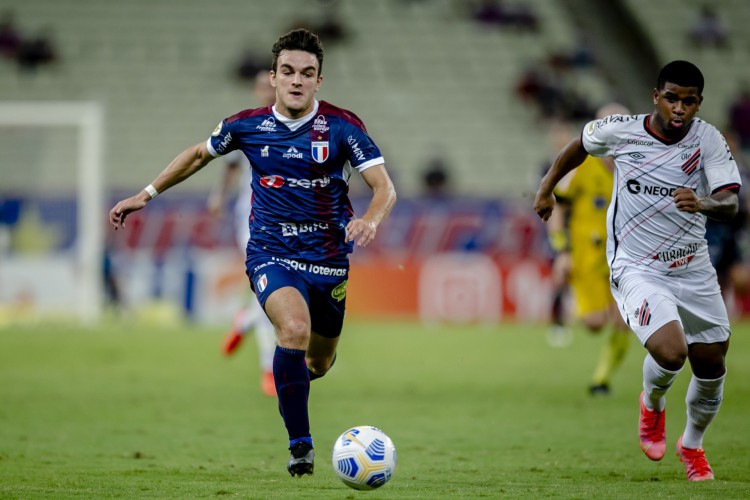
(322, 286)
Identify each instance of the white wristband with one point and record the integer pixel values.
(151, 190)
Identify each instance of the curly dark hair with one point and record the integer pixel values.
(299, 39)
(682, 73)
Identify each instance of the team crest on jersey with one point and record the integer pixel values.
(320, 150)
(217, 130)
(692, 162)
(262, 283)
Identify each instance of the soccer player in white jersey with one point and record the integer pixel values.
(672, 171)
(251, 316)
(302, 227)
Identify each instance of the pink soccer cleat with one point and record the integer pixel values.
(696, 465)
(652, 434)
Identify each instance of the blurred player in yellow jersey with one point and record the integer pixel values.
(578, 233)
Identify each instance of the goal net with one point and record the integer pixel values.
(52, 213)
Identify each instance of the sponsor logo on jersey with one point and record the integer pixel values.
(643, 313)
(272, 181)
(320, 151)
(320, 125)
(264, 151)
(268, 125)
(678, 256)
(292, 153)
(339, 293)
(309, 267)
(356, 151)
(276, 181)
(590, 128)
(261, 283)
(636, 187)
(640, 142)
(295, 228)
(224, 143)
(217, 130)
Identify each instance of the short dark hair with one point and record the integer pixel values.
(683, 73)
(299, 39)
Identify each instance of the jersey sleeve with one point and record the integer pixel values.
(597, 138)
(221, 141)
(363, 152)
(721, 169)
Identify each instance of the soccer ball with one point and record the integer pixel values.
(364, 458)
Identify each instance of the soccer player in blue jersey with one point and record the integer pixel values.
(302, 152)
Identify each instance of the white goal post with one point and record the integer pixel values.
(88, 118)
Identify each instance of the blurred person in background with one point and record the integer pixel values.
(708, 29)
(250, 317)
(39, 50)
(739, 118)
(726, 239)
(302, 227)
(672, 171)
(10, 36)
(578, 233)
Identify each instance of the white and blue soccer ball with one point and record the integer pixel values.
(364, 458)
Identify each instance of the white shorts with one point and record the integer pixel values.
(649, 301)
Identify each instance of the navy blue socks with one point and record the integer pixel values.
(293, 388)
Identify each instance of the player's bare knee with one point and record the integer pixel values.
(708, 360)
(294, 332)
(319, 366)
(671, 359)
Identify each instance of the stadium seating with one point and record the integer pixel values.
(423, 76)
(726, 70)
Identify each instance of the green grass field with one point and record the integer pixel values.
(147, 412)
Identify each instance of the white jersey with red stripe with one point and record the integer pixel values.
(645, 229)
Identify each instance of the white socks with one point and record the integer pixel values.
(656, 383)
(703, 401)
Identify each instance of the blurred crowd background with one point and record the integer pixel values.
(468, 99)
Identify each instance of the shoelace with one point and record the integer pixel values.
(651, 420)
(698, 463)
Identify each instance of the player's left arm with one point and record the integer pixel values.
(362, 230)
(723, 178)
(722, 205)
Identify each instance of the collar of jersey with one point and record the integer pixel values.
(295, 123)
(664, 140)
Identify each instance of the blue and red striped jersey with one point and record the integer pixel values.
(300, 177)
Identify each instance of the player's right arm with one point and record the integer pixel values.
(567, 159)
(183, 166)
